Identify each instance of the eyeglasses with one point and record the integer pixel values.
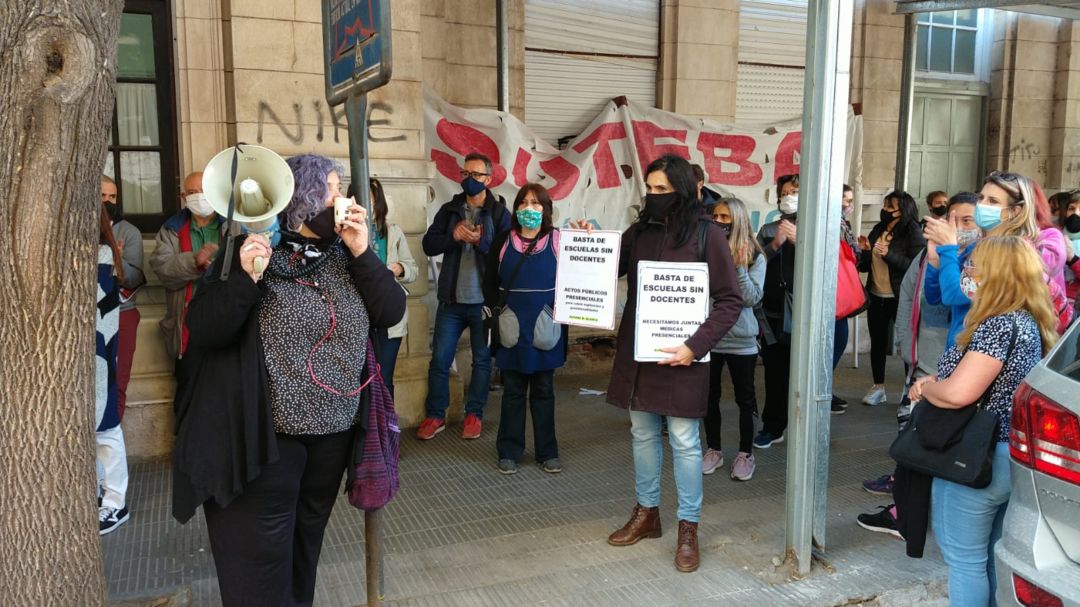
(474, 174)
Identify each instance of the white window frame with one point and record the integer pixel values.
(984, 27)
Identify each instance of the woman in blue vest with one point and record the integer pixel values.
(520, 278)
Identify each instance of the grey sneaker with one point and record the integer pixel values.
(712, 460)
(551, 466)
(875, 397)
(743, 468)
(508, 466)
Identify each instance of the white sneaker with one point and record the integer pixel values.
(875, 397)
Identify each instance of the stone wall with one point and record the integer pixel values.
(699, 58)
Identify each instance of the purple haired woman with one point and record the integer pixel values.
(265, 429)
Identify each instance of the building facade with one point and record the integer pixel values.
(994, 90)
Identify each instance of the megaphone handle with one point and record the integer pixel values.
(259, 265)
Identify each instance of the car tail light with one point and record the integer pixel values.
(1020, 428)
(1030, 595)
(1044, 435)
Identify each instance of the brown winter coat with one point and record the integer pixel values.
(667, 390)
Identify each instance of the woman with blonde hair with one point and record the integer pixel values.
(1010, 326)
(739, 347)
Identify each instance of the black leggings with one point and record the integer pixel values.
(882, 311)
(266, 542)
(741, 370)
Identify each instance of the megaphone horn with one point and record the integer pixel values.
(260, 186)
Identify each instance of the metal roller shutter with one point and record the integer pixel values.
(772, 47)
(581, 53)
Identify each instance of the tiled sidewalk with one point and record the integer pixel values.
(459, 533)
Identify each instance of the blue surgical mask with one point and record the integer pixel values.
(471, 186)
(987, 217)
(530, 219)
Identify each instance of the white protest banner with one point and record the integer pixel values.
(599, 176)
(587, 281)
(672, 303)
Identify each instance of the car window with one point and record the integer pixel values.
(1066, 358)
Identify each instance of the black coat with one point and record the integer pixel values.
(907, 243)
(439, 239)
(224, 428)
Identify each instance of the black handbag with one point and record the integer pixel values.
(952, 444)
(494, 340)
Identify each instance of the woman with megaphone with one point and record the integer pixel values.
(264, 428)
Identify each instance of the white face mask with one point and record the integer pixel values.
(198, 205)
(789, 205)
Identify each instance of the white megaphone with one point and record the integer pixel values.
(262, 187)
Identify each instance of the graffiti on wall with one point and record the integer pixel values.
(327, 118)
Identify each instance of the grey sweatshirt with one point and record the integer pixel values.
(933, 322)
(742, 338)
(132, 258)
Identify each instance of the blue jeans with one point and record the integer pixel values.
(451, 320)
(840, 337)
(386, 351)
(967, 524)
(649, 457)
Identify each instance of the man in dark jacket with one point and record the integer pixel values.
(462, 232)
(777, 240)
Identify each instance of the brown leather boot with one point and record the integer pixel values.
(686, 555)
(644, 523)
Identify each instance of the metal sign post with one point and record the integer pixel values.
(825, 101)
(357, 58)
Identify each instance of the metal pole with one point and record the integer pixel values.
(825, 104)
(907, 101)
(502, 41)
(373, 557)
(356, 114)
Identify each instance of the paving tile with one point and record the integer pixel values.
(459, 533)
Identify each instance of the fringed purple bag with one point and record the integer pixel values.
(375, 480)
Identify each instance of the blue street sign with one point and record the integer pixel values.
(357, 48)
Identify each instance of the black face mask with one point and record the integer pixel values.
(726, 227)
(323, 224)
(1072, 223)
(939, 211)
(658, 206)
(887, 216)
(115, 212)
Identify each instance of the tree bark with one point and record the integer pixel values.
(57, 74)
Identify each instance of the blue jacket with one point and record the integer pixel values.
(439, 239)
(942, 287)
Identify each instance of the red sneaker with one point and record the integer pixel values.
(430, 427)
(472, 428)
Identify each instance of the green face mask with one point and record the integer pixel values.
(530, 219)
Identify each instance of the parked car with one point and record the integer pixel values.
(1038, 557)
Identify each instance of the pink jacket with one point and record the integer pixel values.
(1051, 246)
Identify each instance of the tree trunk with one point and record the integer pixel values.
(57, 73)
